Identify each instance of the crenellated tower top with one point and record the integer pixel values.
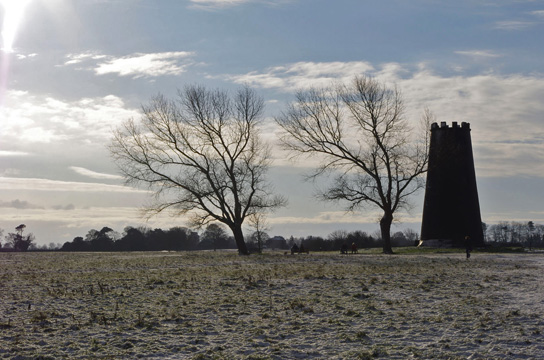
(454, 125)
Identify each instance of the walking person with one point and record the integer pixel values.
(468, 246)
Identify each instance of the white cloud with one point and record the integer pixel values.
(505, 112)
(20, 56)
(135, 65)
(29, 119)
(9, 172)
(145, 65)
(539, 13)
(41, 135)
(303, 74)
(215, 4)
(9, 183)
(79, 58)
(4, 153)
(222, 4)
(479, 53)
(328, 217)
(513, 25)
(93, 174)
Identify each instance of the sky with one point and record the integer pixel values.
(71, 71)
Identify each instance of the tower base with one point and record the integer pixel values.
(438, 243)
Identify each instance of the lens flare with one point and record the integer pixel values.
(13, 13)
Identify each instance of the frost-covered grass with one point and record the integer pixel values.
(206, 305)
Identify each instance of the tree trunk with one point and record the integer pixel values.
(385, 228)
(239, 238)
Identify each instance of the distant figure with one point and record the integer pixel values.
(302, 250)
(353, 248)
(468, 245)
(294, 249)
(344, 249)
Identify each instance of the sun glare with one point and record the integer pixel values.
(13, 14)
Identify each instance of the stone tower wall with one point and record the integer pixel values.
(451, 208)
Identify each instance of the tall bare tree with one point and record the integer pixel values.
(200, 155)
(363, 139)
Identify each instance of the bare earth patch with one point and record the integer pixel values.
(205, 305)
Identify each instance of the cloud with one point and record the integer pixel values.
(512, 25)
(25, 56)
(8, 183)
(93, 174)
(328, 217)
(223, 4)
(64, 207)
(303, 75)
(7, 153)
(217, 4)
(10, 172)
(19, 204)
(505, 111)
(145, 65)
(339, 217)
(79, 58)
(137, 65)
(30, 119)
(479, 53)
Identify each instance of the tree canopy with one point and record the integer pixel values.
(359, 134)
(201, 155)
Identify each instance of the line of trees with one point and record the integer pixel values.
(361, 239)
(17, 241)
(134, 239)
(515, 233)
(215, 237)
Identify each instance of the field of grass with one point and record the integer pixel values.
(206, 305)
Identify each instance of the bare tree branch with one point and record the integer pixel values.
(201, 155)
(360, 133)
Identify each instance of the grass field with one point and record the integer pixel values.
(206, 305)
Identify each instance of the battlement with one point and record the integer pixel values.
(454, 125)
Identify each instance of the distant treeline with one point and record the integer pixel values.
(216, 237)
(361, 239)
(135, 239)
(515, 233)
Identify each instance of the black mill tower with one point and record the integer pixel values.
(451, 209)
